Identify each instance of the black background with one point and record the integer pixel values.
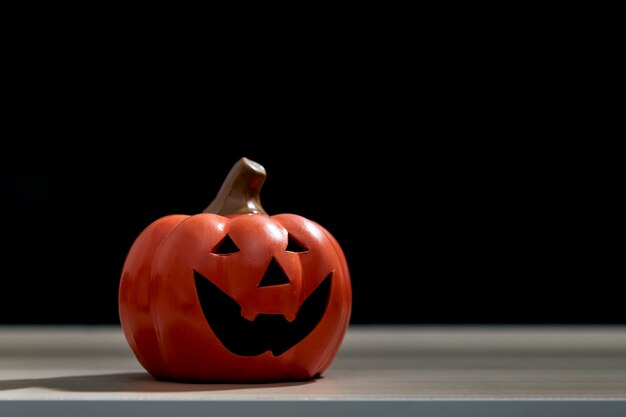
(465, 173)
(438, 233)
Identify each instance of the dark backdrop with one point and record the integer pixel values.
(433, 233)
(465, 178)
(476, 185)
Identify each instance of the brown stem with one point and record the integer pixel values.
(240, 191)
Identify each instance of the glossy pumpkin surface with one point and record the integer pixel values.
(242, 297)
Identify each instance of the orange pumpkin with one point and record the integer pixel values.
(234, 294)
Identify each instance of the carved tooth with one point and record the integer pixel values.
(291, 316)
(249, 314)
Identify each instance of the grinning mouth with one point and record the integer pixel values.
(267, 332)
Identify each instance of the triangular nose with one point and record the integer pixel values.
(274, 275)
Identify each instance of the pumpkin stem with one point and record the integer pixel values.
(240, 192)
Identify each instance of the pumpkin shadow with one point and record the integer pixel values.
(130, 382)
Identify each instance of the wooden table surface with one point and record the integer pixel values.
(379, 370)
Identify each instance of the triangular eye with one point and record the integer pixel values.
(295, 246)
(225, 246)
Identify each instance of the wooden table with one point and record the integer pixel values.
(389, 371)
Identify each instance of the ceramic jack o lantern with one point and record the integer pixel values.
(234, 294)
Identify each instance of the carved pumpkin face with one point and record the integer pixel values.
(245, 297)
(272, 292)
